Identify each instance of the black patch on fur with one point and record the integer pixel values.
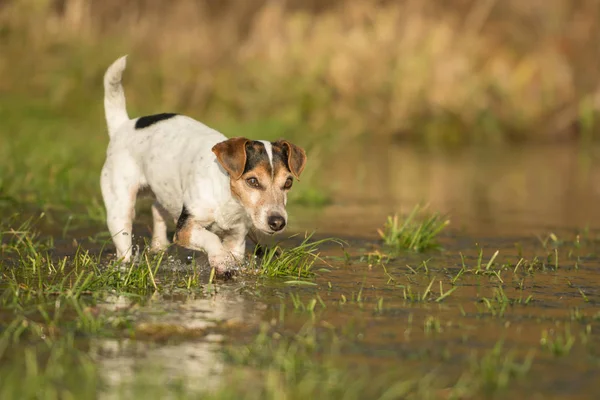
(255, 154)
(280, 155)
(149, 120)
(183, 218)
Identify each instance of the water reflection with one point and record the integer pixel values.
(505, 190)
(176, 338)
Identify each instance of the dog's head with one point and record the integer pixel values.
(261, 174)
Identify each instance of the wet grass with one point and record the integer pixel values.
(47, 371)
(418, 231)
(291, 262)
(318, 336)
(57, 363)
(493, 372)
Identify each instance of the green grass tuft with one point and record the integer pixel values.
(416, 232)
(493, 372)
(295, 262)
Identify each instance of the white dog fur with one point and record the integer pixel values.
(192, 171)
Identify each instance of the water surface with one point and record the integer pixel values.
(534, 205)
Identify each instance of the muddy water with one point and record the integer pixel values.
(537, 293)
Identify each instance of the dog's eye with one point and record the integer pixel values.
(252, 182)
(288, 183)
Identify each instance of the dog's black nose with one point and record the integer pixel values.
(276, 222)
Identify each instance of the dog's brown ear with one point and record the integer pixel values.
(231, 154)
(296, 157)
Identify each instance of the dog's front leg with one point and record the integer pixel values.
(159, 229)
(235, 243)
(119, 193)
(194, 236)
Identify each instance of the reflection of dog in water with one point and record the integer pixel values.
(217, 190)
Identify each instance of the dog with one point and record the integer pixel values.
(216, 190)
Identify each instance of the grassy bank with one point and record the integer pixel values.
(461, 71)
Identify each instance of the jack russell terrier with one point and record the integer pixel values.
(216, 190)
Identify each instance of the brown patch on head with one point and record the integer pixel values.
(242, 189)
(257, 167)
(231, 154)
(281, 170)
(293, 156)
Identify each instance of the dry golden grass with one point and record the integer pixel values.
(457, 70)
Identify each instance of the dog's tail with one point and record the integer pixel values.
(114, 96)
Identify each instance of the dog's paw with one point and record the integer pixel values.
(225, 265)
(130, 256)
(159, 245)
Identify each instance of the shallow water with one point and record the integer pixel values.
(507, 200)
(487, 191)
(425, 335)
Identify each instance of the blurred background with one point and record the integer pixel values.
(487, 109)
